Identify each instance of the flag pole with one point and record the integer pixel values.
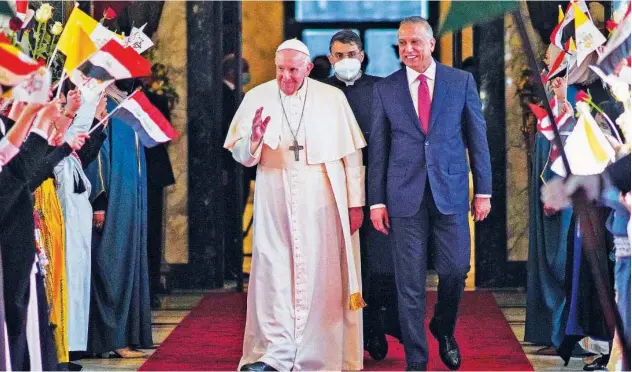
(533, 65)
(52, 58)
(586, 215)
(61, 80)
(112, 112)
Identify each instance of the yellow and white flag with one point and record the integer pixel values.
(82, 36)
(587, 148)
(587, 36)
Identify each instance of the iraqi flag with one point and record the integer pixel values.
(146, 120)
(112, 62)
(565, 30)
(618, 46)
(15, 66)
(565, 125)
(544, 123)
(561, 64)
(35, 89)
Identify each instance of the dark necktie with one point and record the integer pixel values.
(423, 103)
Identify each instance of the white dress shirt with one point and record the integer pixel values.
(413, 85)
(230, 85)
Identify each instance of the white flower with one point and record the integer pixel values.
(44, 13)
(57, 28)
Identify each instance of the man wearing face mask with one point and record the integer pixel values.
(347, 55)
(232, 248)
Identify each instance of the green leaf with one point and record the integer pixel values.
(466, 13)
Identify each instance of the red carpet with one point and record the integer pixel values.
(210, 338)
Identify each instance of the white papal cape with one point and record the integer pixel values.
(304, 295)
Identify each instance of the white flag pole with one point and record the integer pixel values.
(111, 112)
(61, 80)
(52, 58)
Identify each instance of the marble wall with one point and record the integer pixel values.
(262, 25)
(171, 50)
(517, 153)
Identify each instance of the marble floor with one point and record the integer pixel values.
(177, 305)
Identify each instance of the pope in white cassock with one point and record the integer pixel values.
(304, 295)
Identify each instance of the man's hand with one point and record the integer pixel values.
(259, 126)
(51, 111)
(566, 107)
(559, 86)
(47, 116)
(102, 110)
(98, 219)
(481, 207)
(557, 193)
(16, 110)
(78, 140)
(549, 211)
(355, 218)
(380, 221)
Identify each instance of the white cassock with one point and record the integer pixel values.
(304, 302)
(77, 211)
(78, 223)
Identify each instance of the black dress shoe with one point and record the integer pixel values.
(377, 346)
(154, 302)
(599, 364)
(257, 366)
(417, 367)
(448, 348)
(69, 366)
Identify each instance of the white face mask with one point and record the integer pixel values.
(347, 68)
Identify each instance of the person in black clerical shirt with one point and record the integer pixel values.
(232, 247)
(322, 68)
(347, 57)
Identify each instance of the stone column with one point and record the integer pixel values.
(171, 50)
(491, 234)
(204, 111)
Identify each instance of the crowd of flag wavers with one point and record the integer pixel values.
(71, 154)
(73, 191)
(579, 259)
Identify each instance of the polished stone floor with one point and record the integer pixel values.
(176, 306)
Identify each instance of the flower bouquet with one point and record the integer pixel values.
(38, 36)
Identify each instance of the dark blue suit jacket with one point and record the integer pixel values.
(402, 159)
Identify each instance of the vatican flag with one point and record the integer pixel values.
(587, 148)
(82, 36)
(587, 36)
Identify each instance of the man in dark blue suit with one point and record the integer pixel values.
(427, 117)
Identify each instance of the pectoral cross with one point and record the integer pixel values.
(296, 148)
